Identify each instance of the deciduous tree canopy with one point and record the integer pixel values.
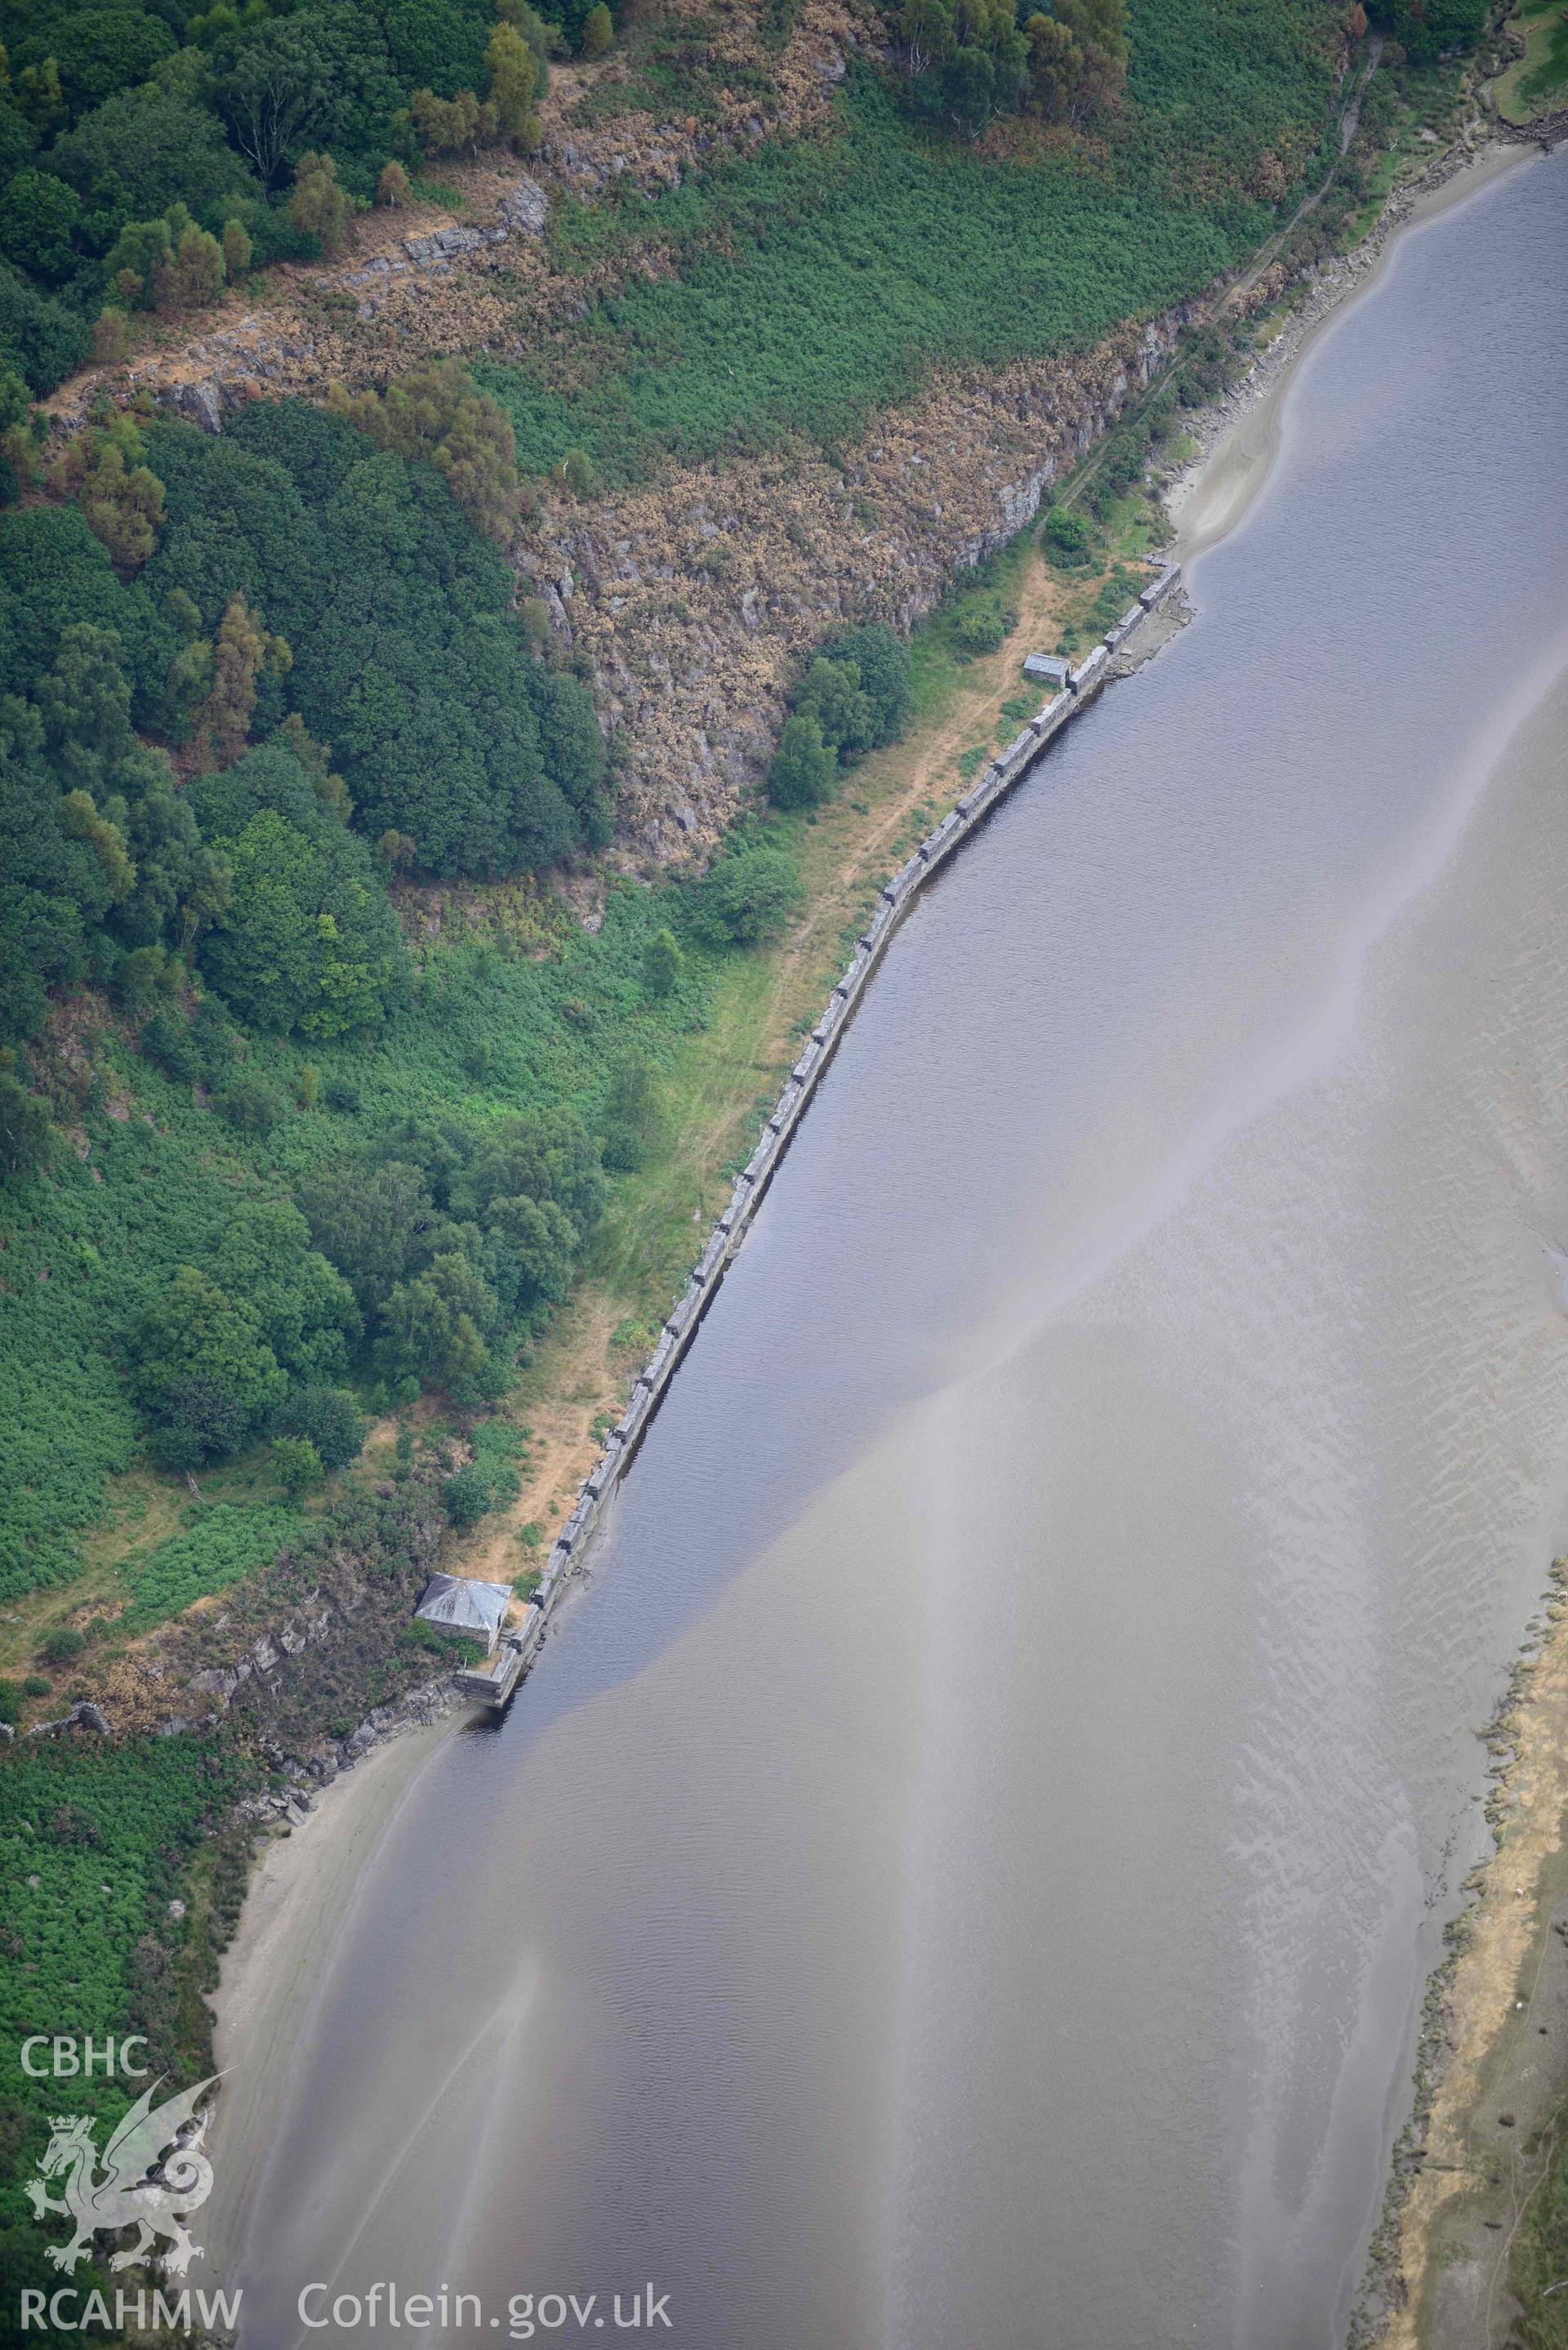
(407, 657)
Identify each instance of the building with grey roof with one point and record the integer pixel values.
(467, 1608)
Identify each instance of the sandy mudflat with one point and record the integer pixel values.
(1214, 492)
(302, 1890)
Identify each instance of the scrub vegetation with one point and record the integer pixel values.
(96, 1843)
(796, 290)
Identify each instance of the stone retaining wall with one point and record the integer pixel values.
(1087, 681)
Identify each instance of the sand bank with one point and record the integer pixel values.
(1239, 437)
(303, 1888)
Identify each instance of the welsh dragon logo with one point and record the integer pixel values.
(154, 2177)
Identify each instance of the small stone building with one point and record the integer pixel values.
(1047, 668)
(467, 1608)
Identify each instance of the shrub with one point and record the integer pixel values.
(318, 205)
(514, 79)
(63, 1646)
(392, 188)
(110, 338)
(121, 499)
(166, 1039)
(297, 1464)
(662, 962)
(831, 694)
(342, 1094)
(598, 30)
(634, 1120)
(24, 1123)
(981, 625)
(882, 660)
(578, 474)
(216, 1042)
(466, 1496)
(35, 1685)
(1066, 533)
(238, 250)
(454, 126)
(327, 1419)
(252, 1104)
(750, 895)
(800, 774)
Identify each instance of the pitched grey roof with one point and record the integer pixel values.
(1047, 665)
(460, 1602)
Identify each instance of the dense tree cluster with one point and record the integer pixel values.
(749, 893)
(457, 1244)
(214, 1355)
(149, 155)
(436, 412)
(288, 581)
(635, 1119)
(306, 939)
(967, 59)
(106, 868)
(1428, 29)
(426, 1261)
(406, 654)
(853, 698)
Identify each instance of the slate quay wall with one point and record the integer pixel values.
(1086, 683)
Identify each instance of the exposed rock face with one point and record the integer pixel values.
(696, 598)
(446, 244)
(524, 208)
(295, 1645)
(83, 1715)
(435, 292)
(200, 402)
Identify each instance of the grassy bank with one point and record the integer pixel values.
(1538, 80)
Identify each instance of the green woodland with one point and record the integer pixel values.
(151, 154)
(314, 1086)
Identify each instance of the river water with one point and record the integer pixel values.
(963, 1876)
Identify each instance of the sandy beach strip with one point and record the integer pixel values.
(1214, 490)
(301, 1891)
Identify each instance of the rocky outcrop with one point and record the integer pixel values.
(696, 599)
(83, 1715)
(524, 208)
(300, 1652)
(321, 1762)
